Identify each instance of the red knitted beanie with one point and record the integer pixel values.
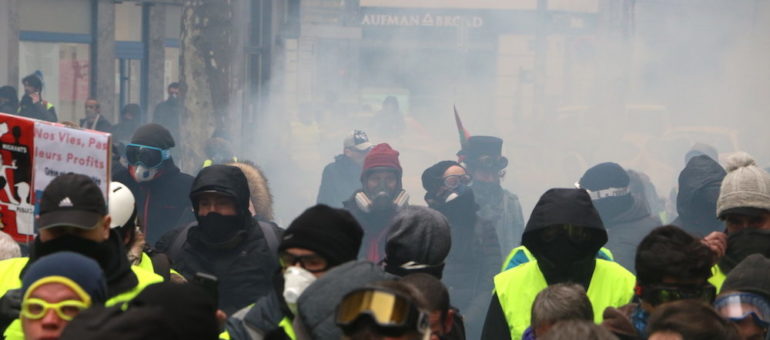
(382, 156)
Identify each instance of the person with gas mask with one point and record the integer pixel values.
(226, 242)
(318, 240)
(73, 217)
(482, 157)
(32, 104)
(474, 256)
(158, 185)
(380, 198)
(563, 233)
(744, 206)
(168, 113)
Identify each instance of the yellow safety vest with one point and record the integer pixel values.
(611, 286)
(287, 328)
(717, 277)
(10, 270)
(521, 255)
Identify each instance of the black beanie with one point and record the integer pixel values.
(433, 177)
(750, 276)
(153, 135)
(332, 233)
(603, 176)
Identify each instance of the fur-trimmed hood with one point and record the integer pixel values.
(261, 197)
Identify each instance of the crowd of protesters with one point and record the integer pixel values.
(176, 256)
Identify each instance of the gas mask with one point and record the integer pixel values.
(381, 198)
(140, 173)
(296, 280)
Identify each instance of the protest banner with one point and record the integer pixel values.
(32, 154)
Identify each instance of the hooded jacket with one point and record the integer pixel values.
(162, 202)
(339, 180)
(244, 263)
(626, 228)
(317, 305)
(558, 207)
(696, 202)
(261, 197)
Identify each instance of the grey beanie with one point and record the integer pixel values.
(745, 186)
(418, 241)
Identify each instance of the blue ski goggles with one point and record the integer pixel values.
(739, 306)
(148, 156)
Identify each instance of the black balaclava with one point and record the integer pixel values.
(229, 181)
(743, 243)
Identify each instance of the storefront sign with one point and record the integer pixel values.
(422, 20)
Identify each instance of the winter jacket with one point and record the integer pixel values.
(626, 229)
(163, 203)
(472, 261)
(340, 179)
(42, 110)
(101, 124)
(262, 320)
(627, 322)
(699, 185)
(607, 283)
(260, 196)
(503, 209)
(375, 225)
(243, 263)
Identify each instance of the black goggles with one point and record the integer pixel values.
(148, 156)
(311, 263)
(576, 234)
(393, 314)
(660, 294)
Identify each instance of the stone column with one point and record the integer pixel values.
(156, 58)
(103, 72)
(9, 42)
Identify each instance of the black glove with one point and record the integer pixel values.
(10, 307)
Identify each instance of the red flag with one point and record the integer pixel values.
(464, 135)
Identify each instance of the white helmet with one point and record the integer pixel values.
(121, 205)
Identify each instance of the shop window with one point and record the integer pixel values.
(66, 73)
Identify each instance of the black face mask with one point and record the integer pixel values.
(217, 228)
(110, 259)
(461, 208)
(742, 244)
(563, 260)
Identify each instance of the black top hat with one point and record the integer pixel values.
(484, 151)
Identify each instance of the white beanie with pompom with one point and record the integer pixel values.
(745, 186)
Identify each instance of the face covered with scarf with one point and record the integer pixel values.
(218, 216)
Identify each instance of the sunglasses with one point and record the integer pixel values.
(393, 314)
(35, 309)
(660, 294)
(147, 156)
(312, 263)
(576, 234)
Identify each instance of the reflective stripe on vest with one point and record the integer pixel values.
(9, 279)
(611, 286)
(287, 328)
(717, 277)
(521, 255)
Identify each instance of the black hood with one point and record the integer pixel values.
(224, 179)
(699, 185)
(564, 206)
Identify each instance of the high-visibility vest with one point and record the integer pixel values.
(10, 270)
(521, 255)
(717, 277)
(611, 286)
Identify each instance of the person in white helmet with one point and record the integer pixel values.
(122, 208)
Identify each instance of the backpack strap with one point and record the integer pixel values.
(270, 236)
(179, 240)
(161, 265)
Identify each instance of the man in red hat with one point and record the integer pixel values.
(381, 196)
